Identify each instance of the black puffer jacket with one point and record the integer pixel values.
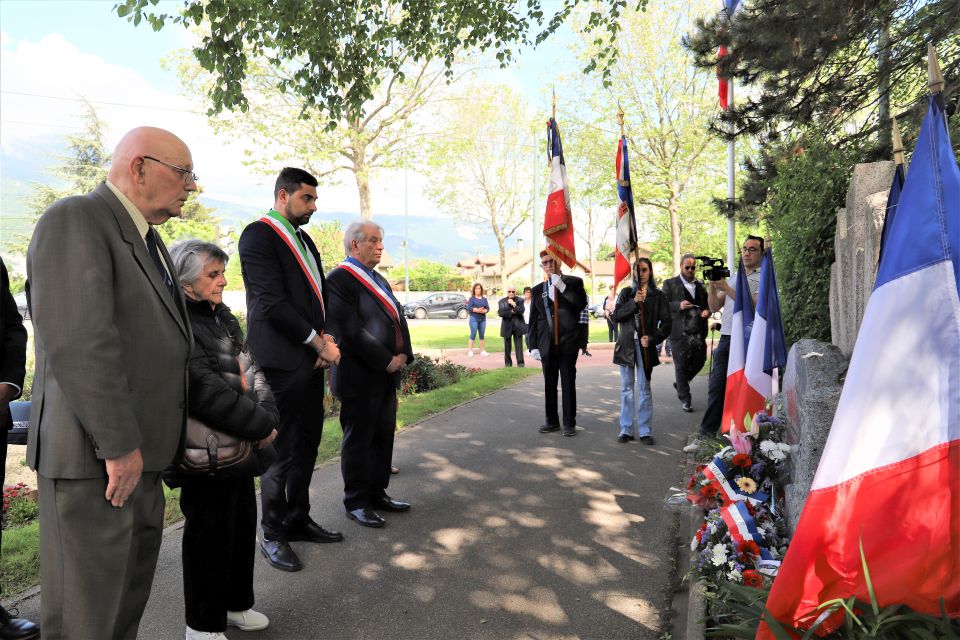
(228, 390)
(657, 321)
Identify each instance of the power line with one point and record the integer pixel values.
(100, 102)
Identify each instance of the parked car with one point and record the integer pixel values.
(438, 305)
(20, 413)
(596, 310)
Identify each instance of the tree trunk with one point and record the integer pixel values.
(885, 132)
(363, 183)
(674, 228)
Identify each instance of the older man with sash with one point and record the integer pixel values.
(369, 322)
(286, 320)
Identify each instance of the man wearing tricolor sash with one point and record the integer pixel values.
(286, 317)
(372, 330)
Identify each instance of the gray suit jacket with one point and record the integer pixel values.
(112, 345)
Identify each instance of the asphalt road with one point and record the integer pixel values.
(513, 534)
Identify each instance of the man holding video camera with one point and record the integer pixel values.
(721, 294)
(688, 307)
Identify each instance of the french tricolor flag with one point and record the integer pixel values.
(767, 349)
(626, 222)
(889, 477)
(739, 397)
(723, 90)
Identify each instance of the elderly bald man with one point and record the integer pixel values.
(109, 396)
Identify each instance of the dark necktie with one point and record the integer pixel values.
(158, 261)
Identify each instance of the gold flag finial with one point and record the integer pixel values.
(934, 75)
(897, 144)
(620, 115)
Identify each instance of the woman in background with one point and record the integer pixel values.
(477, 307)
(643, 315)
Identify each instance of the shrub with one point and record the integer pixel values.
(425, 374)
(18, 507)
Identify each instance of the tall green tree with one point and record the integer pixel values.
(668, 105)
(481, 169)
(79, 171)
(277, 125)
(334, 53)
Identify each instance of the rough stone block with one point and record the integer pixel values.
(811, 389)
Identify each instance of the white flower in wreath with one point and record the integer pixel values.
(786, 448)
(719, 552)
(773, 451)
(694, 544)
(734, 576)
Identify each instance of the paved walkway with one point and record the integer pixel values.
(513, 534)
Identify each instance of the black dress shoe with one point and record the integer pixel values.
(686, 407)
(386, 503)
(17, 628)
(279, 554)
(569, 431)
(647, 440)
(366, 517)
(547, 428)
(623, 438)
(310, 531)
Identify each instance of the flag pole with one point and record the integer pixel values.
(731, 183)
(934, 75)
(636, 247)
(898, 157)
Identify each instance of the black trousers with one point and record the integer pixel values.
(613, 330)
(688, 355)
(717, 389)
(517, 340)
(368, 423)
(219, 544)
(561, 362)
(285, 487)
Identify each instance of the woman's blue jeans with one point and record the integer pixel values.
(477, 324)
(636, 400)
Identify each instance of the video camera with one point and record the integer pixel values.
(713, 268)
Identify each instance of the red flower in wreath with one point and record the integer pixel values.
(693, 481)
(752, 578)
(742, 460)
(749, 546)
(709, 490)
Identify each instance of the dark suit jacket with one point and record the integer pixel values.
(281, 305)
(571, 302)
(13, 340)
(366, 334)
(512, 322)
(112, 344)
(688, 321)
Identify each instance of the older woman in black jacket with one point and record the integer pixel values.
(228, 392)
(643, 314)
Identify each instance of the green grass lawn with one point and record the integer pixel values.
(19, 560)
(426, 336)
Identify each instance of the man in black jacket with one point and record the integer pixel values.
(13, 353)
(373, 332)
(688, 308)
(512, 327)
(286, 309)
(553, 334)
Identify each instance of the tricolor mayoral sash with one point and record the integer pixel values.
(304, 257)
(385, 300)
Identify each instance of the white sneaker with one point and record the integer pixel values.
(193, 634)
(692, 447)
(248, 620)
(470, 353)
(484, 353)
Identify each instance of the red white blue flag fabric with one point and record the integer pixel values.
(724, 89)
(626, 222)
(767, 349)
(893, 199)
(738, 400)
(889, 476)
(558, 218)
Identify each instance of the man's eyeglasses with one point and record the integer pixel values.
(689, 268)
(186, 173)
(751, 250)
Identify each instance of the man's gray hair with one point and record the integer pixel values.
(357, 231)
(684, 257)
(190, 255)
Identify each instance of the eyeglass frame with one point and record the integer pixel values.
(186, 173)
(750, 250)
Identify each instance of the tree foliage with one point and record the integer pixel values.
(278, 128)
(481, 169)
(334, 52)
(668, 104)
(427, 275)
(840, 67)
